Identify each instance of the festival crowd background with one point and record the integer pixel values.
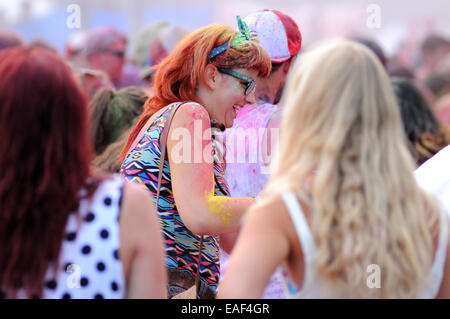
(111, 54)
(400, 28)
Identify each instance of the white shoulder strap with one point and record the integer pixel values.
(300, 224)
(441, 252)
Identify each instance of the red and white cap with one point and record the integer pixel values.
(276, 32)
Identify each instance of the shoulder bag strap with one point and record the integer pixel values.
(163, 146)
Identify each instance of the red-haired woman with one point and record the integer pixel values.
(59, 222)
(212, 71)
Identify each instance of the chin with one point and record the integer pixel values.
(229, 124)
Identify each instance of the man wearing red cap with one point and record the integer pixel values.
(259, 123)
(281, 38)
(255, 130)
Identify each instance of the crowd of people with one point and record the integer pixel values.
(227, 162)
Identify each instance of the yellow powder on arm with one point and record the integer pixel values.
(220, 206)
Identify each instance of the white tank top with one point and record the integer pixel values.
(315, 287)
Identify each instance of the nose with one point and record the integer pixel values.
(250, 99)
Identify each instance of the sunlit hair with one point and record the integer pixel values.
(341, 125)
(46, 151)
(179, 74)
(425, 133)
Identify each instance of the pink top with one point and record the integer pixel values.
(246, 172)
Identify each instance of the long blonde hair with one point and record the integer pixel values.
(342, 125)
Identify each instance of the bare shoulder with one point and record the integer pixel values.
(192, 110)
(141, 244)
(273, 214)
(136, 219)
(137, 201)
(267, 224)
(270, 212)
(276, 224)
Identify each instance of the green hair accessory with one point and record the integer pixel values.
(239, 39)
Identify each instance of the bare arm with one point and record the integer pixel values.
(261, 247)
(191, 165)
(141, 245)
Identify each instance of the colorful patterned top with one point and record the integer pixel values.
(142, 166)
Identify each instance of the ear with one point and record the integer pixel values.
(210, 76)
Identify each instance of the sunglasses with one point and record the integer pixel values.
(119, 54)
(250, 86)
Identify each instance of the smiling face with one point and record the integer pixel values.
(230, 96)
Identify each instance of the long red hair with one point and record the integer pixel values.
(45, 156)
(178, 75)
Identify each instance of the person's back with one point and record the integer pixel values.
(314, 286)
(342, 213)
(61, 225)
(89, 266)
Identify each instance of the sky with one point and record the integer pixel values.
(317, 19)
(11, 9)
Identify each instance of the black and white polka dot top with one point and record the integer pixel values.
(89, 266)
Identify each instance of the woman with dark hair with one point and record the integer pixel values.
(425, 133)
(59, 222)
(205, 79)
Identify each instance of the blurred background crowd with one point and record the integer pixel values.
(112, 46)
(115, 43)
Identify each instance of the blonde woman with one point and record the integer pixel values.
(342, 212)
